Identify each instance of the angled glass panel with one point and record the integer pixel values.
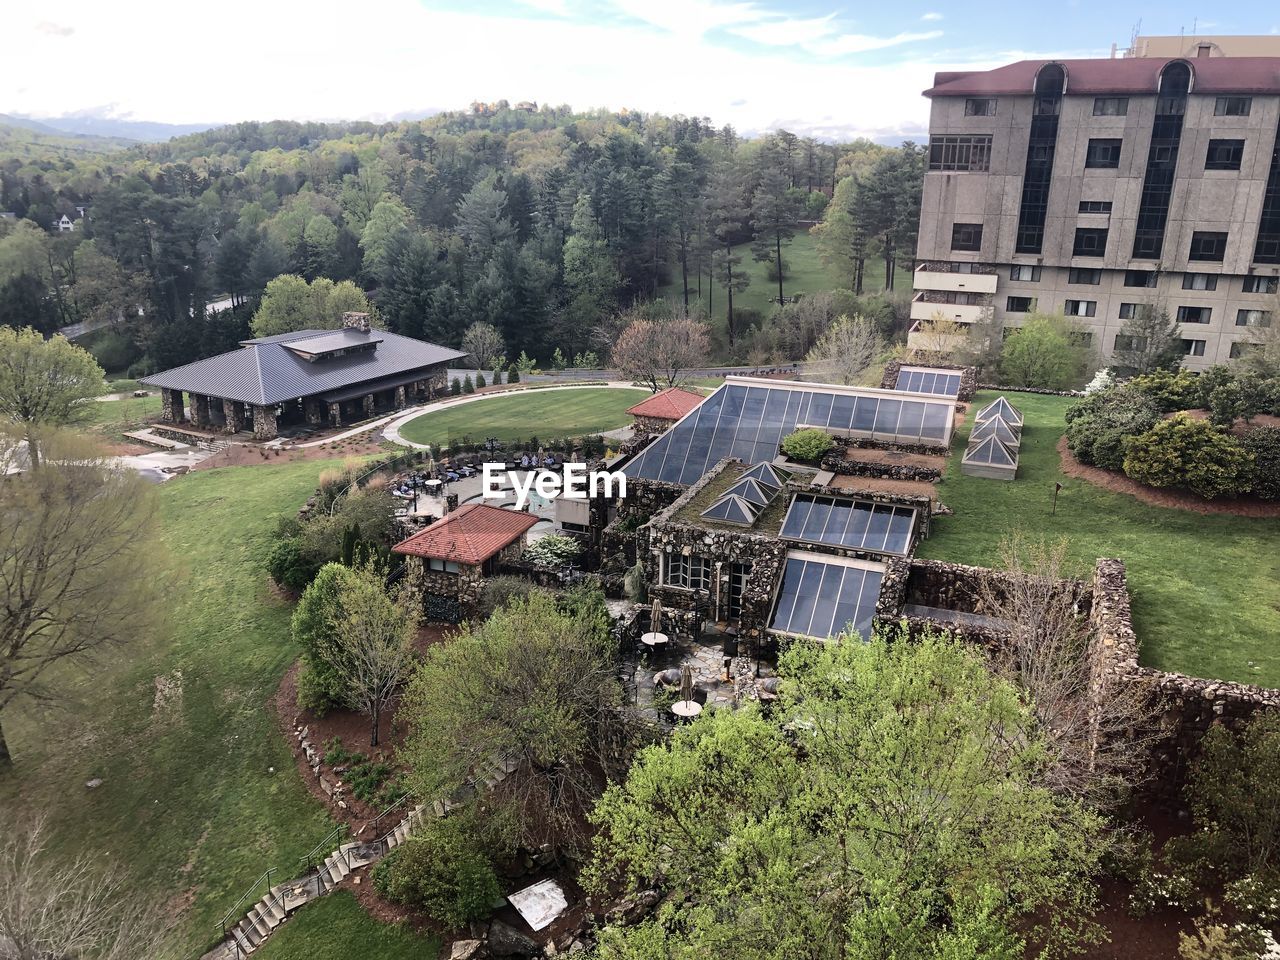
(900, 525)
(810, 581)
(864, 414)
(912, 418)
(787, 596)
(797, 515)
(878, 529)
(819, 409)
(855, 534)
(936, 416)
(731, 509)
(844, 609)
(887, 416)
(841, 412)
(999, 407)
(751, 492)
(996, 427)
(867, 601)
(816, 521)
(990, 451)
(764, 473)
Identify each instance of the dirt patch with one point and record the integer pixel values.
(895, 458)
(1170, 499)
(1240, 426)
(911, 488)
(252, 454)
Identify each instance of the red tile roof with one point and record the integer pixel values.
(471, 534)
(670, 404)
(1133, 75)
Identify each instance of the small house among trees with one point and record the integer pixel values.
(656, 414)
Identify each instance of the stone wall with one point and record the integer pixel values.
(841, 461)
(968, 375)
(264, 423)
(867, 443)
(461, 591)
(651, 426)
(1189, 706)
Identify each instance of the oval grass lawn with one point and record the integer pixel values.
(510, 417)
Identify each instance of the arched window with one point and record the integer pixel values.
(1051, 80)
(1175, 79)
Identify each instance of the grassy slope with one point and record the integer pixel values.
(1206, 589)
(336, 928)
(113, 417)
(808, 275)
(546, 413)
(189, 804)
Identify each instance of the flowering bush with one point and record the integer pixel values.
(1163, 888)
(553, 550)
(1257, 896)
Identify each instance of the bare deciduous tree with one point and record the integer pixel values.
(375, 632)
(1098, 726)
(849, 346)
(65, 911)
(485, 343)
(78, 563)
(661, 353)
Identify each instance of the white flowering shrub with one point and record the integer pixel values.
(1103, 379)
(1157, 889)
(1256, 896)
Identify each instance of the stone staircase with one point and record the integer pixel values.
(280, 901)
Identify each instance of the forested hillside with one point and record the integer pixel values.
(545, 223)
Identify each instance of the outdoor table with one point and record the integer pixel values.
(653, 639)
(686, 709)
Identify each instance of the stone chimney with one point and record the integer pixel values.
(353, 320)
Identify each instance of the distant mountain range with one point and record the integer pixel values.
(141, 131)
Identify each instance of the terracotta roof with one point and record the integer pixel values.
(1133, 75)
(671, 404)
(471, 534)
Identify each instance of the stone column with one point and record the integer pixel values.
(335, 414)
(200, 410)
(234, 412)
(401, 399)
(314, 410)
(170, 405)
(368, 405)
(264, 423)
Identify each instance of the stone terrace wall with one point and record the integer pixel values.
(968, 375)
(1191, 706)
(840, 462)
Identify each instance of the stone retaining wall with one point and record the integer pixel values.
(884, 471)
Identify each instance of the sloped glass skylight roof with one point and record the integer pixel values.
(941, 383)
(746, 420)
(821, 595)
(732, 509)
(753, 492)
(997, 427)
(765, 474)
(999, 407)
(856, 524)
(991, 451)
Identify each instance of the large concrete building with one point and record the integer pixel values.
(1091, 187)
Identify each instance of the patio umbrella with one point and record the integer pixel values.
(686, 683)
(655, 617)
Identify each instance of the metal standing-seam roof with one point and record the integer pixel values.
(265, 371)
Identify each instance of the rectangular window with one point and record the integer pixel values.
(1046, 106)
(1232, 107)
(1240, 348)
(1199, 281)
(738, 575)
(1095, 206)
(1261, 284)
(1020, 304)
(1224, 155)
(960, 153)
(966, 236)
(1193, 348)
(1110, 106)
(1208, 245)
(1090, 242)
(1140, 278)
(1081, 308)
(1194, 314)
(1102, 154)
(1126, 342)
(1253, 318)
(980, 107)
(1024, 273)
(1128, 311)
(442, 566)
(1083, 275)
(691, 572)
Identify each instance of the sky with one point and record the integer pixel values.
(831, 70)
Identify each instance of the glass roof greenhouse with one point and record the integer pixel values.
(856, 524)
(931, 380)
(747, 418)
(823, 595)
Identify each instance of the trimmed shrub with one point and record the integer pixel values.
(288, 566)
(497, 378)
(467, 385)
(480, 381)
(455, 387)
(501, 590)
(1264, 444)
(445, 870)
(1182, 452)
(1170, 391)
(513, 374)
(1099, 425)
(808, 445)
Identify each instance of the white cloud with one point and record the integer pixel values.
(559, 8)
(787, 33)
(391, 58)
(857, 43)
(932, 15)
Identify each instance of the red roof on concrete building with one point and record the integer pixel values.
(470, 535)
(671, 404)
(1133, 75)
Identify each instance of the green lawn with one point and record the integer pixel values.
(1206, 589)
(546, 414)
(116, 416)
(201, 796)
(336, 928)
(807, 275)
